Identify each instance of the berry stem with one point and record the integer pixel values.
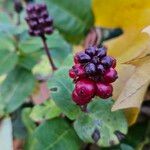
(48, 53)
(18, 19)
(84, 108)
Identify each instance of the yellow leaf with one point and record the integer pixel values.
(122, 13)
(138, 61)
(130, 88)
(132, 47)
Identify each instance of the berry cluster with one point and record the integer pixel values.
(18, 6)
(38, 19)
(93, 74)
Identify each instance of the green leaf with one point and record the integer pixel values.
(68, 62)
(72, 18)
(58, 47)
(45, 111)
(30, 126)
(61, 88)
(19, 130)
(56, 134)
(101, 121)
(30, 44)
(6, 42)
(137, 134)
(28, 61)
(15, 89)
(8, 60)
(6, 24)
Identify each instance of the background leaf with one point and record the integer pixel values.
(101, 120)
(15, 89)
(45, 111)
(56, 134)
(72, 18)
(61, 88)
(58, 47)
(8, 60)
(6, 138)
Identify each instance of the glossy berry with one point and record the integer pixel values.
(91, 51)
(92, 73)
(18, 6)
(80, 100)
(77, 71)
(85, 89)
(107, 61)
(38, 20)
(101, 52)
(113, 62)
(100, 69)
(90, 69)
(110, 75)
(76, 61)
(104, 90)
(83, 57)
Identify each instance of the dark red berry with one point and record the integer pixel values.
(48, 30)
(107, 61)
(83, 57)
(104, 90)
(80, 100)
(96, 60)
(113, 62)
(101, 52)
(85, 87)
(91, 50)
(31, 32)
(18, 6)
(43, 6)
(39, 20)
(30, 8)
(101, 69)
(85, 90)
(76, 61)
(92, 73)
(110, 75)
(37, 32)
(72, 73)
(90, 69)
(44, 14)
(33, 24)
(77, 71)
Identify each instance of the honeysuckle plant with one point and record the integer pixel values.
(53, 98)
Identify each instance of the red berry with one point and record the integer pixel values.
(72, 73)
(84, 90)
(104, 90)
(76, 59)
(80, 100)
(110, 75)
(113, 62)
(77, 71)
